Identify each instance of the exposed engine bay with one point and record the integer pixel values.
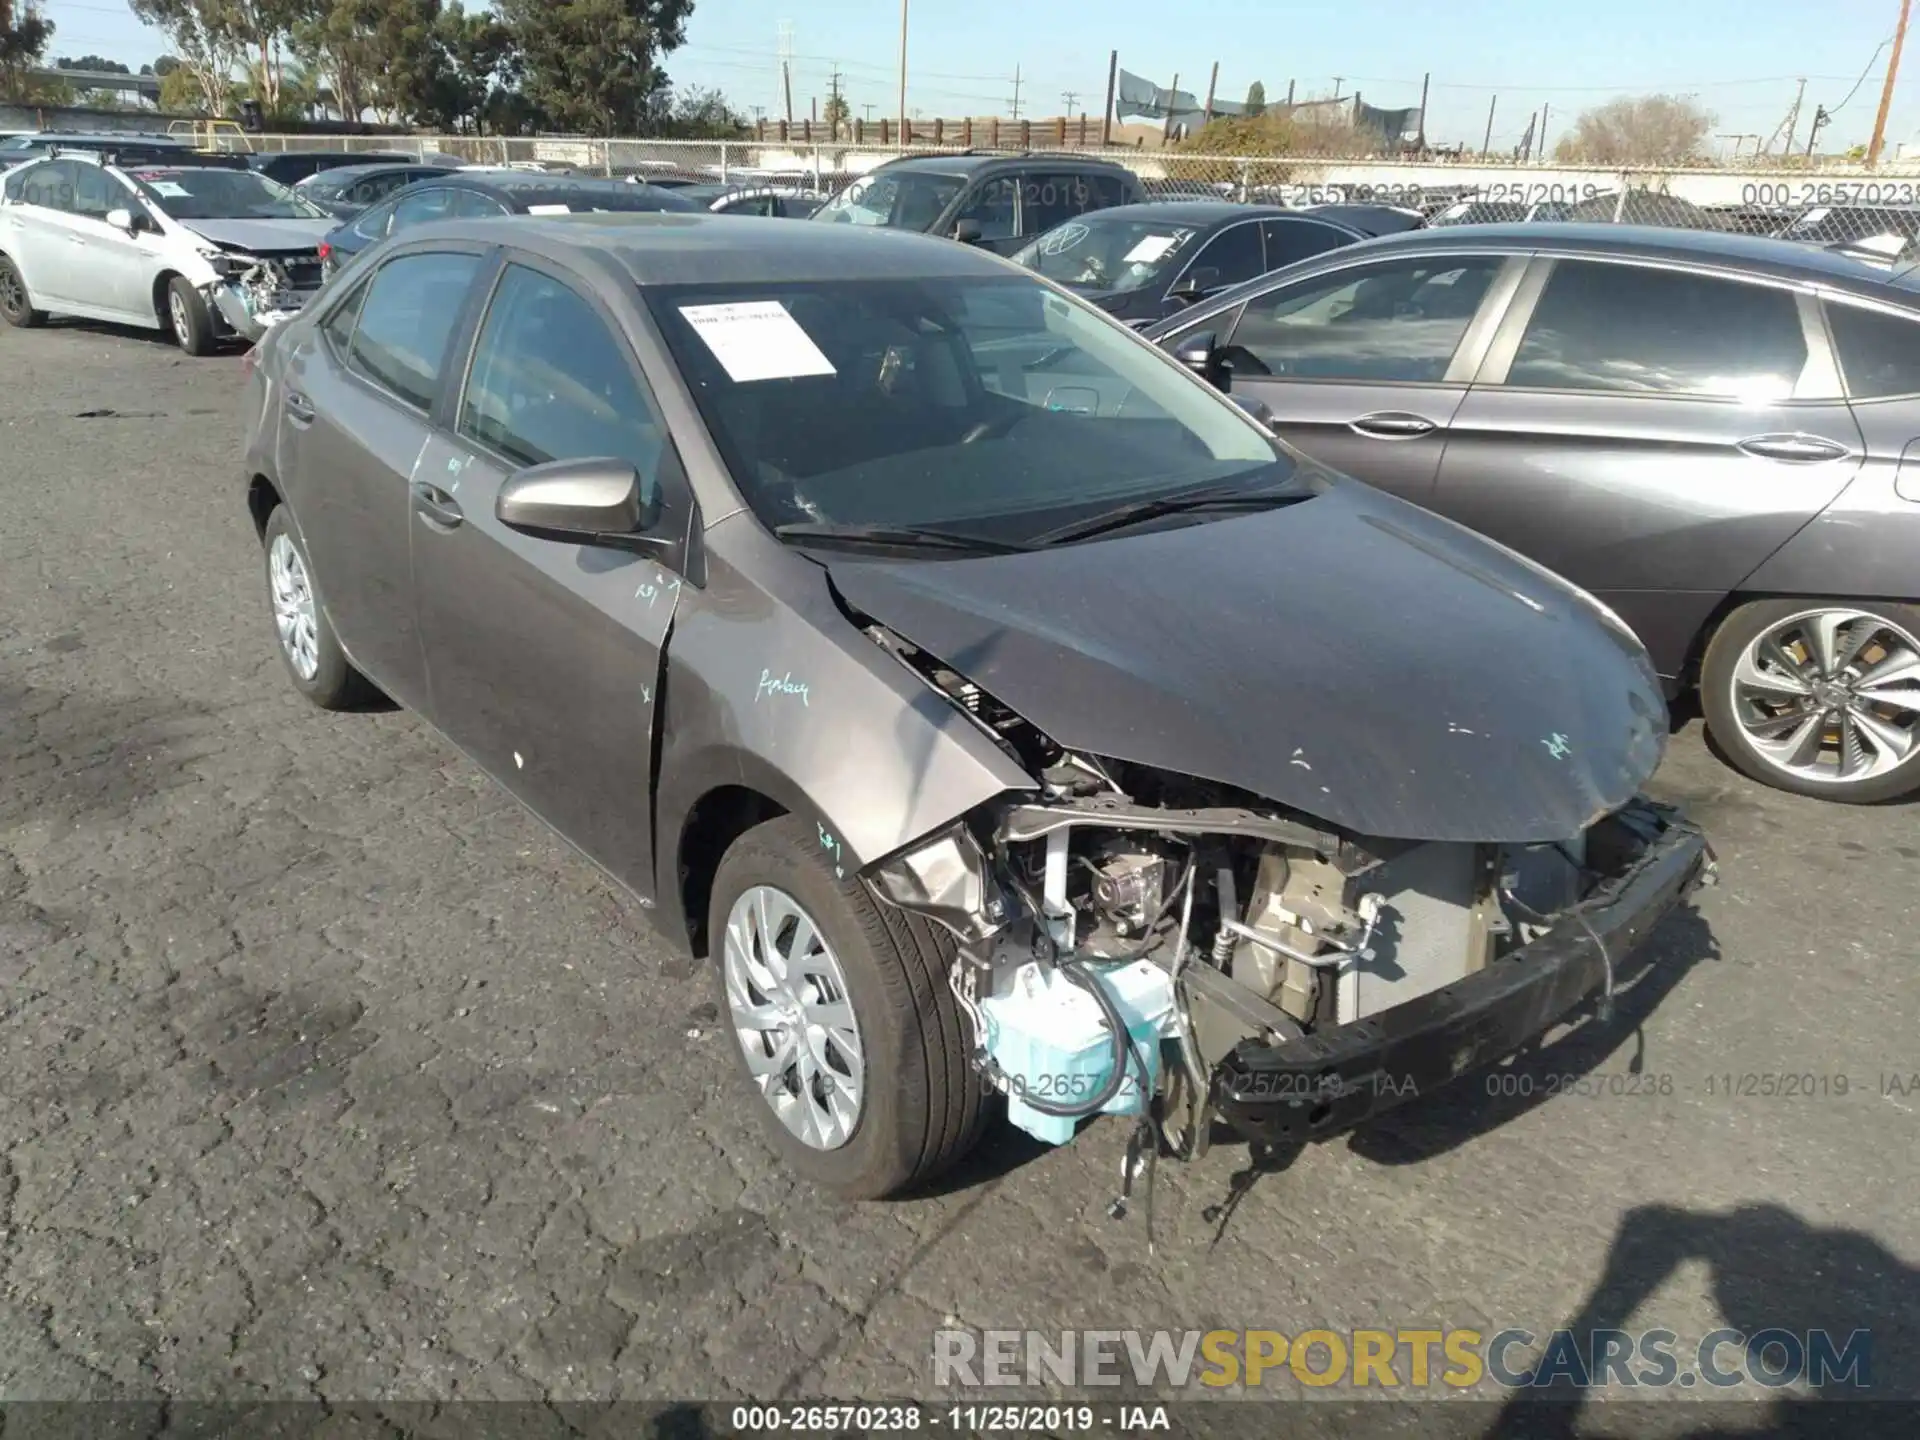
(1151, 945)
(255, 292)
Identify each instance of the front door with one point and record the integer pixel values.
(356, 399)
(1364, 366)
(121, 268)
(1639, 429)
(545, 656)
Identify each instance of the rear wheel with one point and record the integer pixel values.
(317, 665)
(1820, 697)
(852, 1044)
(16, 307)
(189, 318)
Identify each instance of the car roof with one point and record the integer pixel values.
(1780, 259)
(685, 247)
(535, 187)
(1192, 212)
(966, 163)
(350, 173)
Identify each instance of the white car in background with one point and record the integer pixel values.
(202, 249)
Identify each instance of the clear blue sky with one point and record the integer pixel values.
(1739, 58)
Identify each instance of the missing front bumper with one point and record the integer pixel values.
(1334, 1079)
(250, 314)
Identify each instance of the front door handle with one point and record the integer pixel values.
(436, 506)
(299, 408)
(1392, 425)
(1795, 448)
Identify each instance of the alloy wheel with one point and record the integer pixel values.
(1830, 695)
(177, 310)
(793, 1017)
(13, 292)
(294, 613)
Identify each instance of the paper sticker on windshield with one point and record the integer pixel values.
(172, 189)
(757, 340)
(548, 210)
(1150, 249)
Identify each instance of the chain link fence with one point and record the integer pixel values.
(1873, 215)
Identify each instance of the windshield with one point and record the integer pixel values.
(989, 405)
(1106, 253)
(903, 199)
(205, 193)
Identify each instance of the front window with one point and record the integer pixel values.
(990, 404)
(903, 199)
(206, 193)
(1095, 252)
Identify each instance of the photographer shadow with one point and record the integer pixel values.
(1769, 1269)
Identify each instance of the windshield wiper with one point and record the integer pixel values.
(907, 537)
(1217, 497)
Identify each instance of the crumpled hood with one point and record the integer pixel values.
(263, 236)
(1350, 656)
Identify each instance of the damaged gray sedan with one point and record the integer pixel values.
(203, 249)
(1006, 717)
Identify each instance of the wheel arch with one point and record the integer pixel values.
(710, 827)
(161, 284)
(263, 498)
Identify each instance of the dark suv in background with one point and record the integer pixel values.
(1717, 435)
(998, 202)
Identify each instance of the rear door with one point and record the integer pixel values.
(358, 390)
(1651, 432)
(545, 655)
(43, 238)
(1364, 366)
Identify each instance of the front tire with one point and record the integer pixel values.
(1818, 697)
(189, 320)
(315, 663)
(853, 1047)
(16, 306)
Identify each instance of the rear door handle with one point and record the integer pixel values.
(436, 506)
(299, 408)
(1392, 425)
(1794, 448)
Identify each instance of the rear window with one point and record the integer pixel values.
(406, 321)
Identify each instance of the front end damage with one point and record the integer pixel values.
(1139, 943)
(252, 293)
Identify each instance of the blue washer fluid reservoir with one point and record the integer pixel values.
(1053, 1042)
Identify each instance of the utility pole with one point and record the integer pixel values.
(1793, 117)
(1820, 119)
(1070, 98)
(786, 67)
(1487, 144)
(1424, 80)
(1106, 116)
(1338, 80)
(1886, 90)
(1289, 94)
(906, 130)
(1015, 102)
(1543, 133)
(1173, 98)
(1206, 117)
(867, 105)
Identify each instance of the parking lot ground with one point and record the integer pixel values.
(329, 1073)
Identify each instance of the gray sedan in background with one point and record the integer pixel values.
(979, 690)
(1717, 435)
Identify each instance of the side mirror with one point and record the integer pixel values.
(587, 502)
(1201, 354)
(124, 219)
(968, 232)
(1195, 285)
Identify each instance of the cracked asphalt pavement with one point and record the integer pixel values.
(329, 1073)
